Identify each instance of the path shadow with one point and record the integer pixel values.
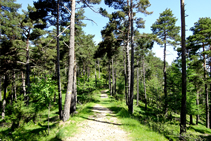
(101, 109)
(102, 121)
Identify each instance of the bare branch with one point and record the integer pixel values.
(66, 44)
(57, 36)
(90, 20)
(21, 62)
(84, 1)
(67, 8)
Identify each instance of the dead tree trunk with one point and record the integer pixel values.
(67, 104)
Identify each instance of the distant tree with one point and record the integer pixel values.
(167, 31)
(200, 43)
(9, 36)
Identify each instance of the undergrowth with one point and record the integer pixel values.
(149, 125)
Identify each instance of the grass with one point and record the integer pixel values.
(130, 123)
(58, 130)
(149, 125)
(142, 125)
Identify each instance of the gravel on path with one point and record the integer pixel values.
(102, 126)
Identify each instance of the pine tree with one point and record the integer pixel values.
(166, 30)
(201, 40)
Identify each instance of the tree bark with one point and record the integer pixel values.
(27, 70)
(109, 76)
(67, 104)
(58, 65)
(197, 104)
(128, 57)
(125, 75)
(74, 95)
(14, 87)
(5, 92)
(191, 119)
(95, 75)
(113, 79)
(0, 90)
(98, 62)
(137, 98)
(24, 85)
(183, 102)
(164, 73)
(130, 107)
(206, 92)
(145, 94)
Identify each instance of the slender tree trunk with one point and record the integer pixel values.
(98, 62)
(84, 68)
(137, 98)
(130, 107)
(210, 92)
(206, 92)
(14, 87)
(5, 92)
(24, 85)
(164, 73)
(27, 71)
(58, 65)
(197, 104)
(0, 90)
(88, 73)
(113, 79)
(95, 75)
(74, 95)
(128, 57)
(183, 102)
(109, 76)
(145, 94)
(67, 104)
(191, 119)
(125, 75)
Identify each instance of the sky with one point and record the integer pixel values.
(195, 9)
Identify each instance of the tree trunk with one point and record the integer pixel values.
(164, 73)
(5, 92)
(67, 104)
(115, 82)
(0, 90)
(24, 85)
(95, 75)
(14, 87)
(206, 92)
(74, 95)
(58, 65)
(27, 71)
(128, 57)
(130, 107)
(191, 119)
(145, 94)
(125, 75)
(183, 102)
(109, 76)
(98, 62)
(113, 79)
(137, 98)
(197, 104)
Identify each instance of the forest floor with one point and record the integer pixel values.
(102, 126)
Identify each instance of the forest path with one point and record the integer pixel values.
(102, 126)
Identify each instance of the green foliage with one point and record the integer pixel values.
(165, 28)
(42, 92)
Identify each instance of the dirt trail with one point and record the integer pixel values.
(102, 126)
